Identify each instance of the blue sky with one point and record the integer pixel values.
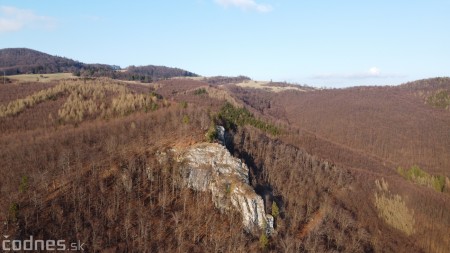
(320, 43)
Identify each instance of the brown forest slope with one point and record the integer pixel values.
(97, 179)
(345, 198)
(79, 161)
(391, 123)
(370, 131)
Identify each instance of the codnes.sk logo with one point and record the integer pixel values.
(32, 244)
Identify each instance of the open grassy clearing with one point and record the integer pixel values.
(266, 86)
(197, 78)
(41, 77)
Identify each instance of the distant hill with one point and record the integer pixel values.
(215, 80)
(431, 84)
(151, 72)
(14, 61)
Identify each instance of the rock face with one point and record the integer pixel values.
(210, 167)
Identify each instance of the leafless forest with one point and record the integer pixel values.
(362, 169)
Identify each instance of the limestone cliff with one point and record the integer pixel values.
(210, 167)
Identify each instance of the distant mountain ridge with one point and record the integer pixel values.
(14, 61)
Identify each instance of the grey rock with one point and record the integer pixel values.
(210, 167)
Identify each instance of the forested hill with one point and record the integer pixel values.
(151, 72)
(14, 61)
(23, 60)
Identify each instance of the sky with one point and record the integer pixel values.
(322, 43)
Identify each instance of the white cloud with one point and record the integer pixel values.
(14, 19)
(245, 5)
(373, 72)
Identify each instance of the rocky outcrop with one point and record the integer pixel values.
(210, 167)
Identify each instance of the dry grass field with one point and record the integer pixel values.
(42, 78)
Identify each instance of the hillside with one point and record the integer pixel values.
(23, 60)
(395, 124)
(150, 72)
(377, 133)
(15, 61)
(129, 167)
